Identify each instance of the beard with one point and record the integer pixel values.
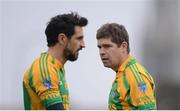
(69, 55)
(72, 57)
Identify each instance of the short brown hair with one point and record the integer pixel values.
(116, 32)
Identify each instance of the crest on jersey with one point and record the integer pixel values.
(48, 84)
(142, 87)
(60, 83)
(112, 94)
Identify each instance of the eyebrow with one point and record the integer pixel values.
(104, 45)
(80, 37)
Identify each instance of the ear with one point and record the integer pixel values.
(62, 38)
(124, 45)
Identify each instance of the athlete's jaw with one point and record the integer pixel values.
(77, 52)
(105, 61)
(72, 56)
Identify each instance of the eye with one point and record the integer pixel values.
(99, 46)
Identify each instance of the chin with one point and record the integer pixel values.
(72, 58)
(105, 65)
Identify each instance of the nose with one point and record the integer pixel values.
(82, 44)
(101, 51)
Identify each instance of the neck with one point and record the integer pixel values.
(121, 62)
(57, 52)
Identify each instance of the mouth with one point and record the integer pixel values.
(104, 59)
(79, 49)
(77, 52)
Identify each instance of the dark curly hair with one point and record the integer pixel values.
(64, 23)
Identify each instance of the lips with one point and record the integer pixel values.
(79, 49)
(104, 59)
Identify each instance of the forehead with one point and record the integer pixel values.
(105, 41)
(78, 30)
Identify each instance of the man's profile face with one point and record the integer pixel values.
(74, 44)
(110, 53)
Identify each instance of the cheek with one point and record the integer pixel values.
(73, 47)
(74, 44)
(69, 47)
(115, 57)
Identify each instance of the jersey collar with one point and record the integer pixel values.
(54, 61)
(130, 60)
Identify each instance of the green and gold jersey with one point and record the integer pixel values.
(133, 88)
(44, 84)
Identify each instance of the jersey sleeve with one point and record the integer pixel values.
(142, 92)
(46, 85)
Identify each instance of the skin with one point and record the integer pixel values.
(111, 54)
(68, 49)
(75, 44)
